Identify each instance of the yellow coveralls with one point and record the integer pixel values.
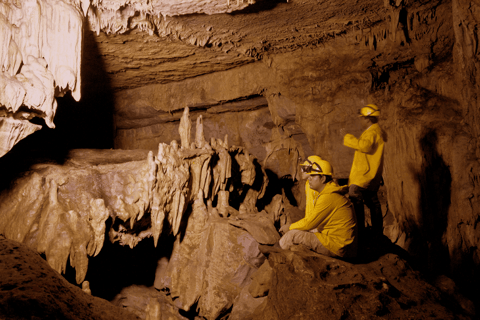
(367, 164)
(365, 177)
(331, 214)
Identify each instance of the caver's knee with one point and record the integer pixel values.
(286, 241)
(294, 237)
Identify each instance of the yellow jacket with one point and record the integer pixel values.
(367, 164)
(332, 215)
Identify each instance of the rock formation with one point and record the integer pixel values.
(41, 50)
(288, 284)
(29, 288)
(301, 285)
(40, 58)
(61, 211)
(417, 60)
(279, 79)
(217, 265)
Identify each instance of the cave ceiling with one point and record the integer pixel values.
(94, 49)
(174, 48)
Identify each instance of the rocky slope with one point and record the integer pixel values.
(31, 289)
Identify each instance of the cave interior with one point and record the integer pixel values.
(149, 148)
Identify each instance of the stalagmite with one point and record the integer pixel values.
(225, 142)
(212, 211)
(63, 209)
(201, 212)
(199, 172)
(153, 310)
(199, 137)
(222, 170)
(205, 178)
(222, 203)
(86, 287)
(185, 128)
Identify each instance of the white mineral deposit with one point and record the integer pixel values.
(151, 151)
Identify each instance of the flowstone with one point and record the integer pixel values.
(62, 210)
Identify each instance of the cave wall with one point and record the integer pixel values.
(420, 66)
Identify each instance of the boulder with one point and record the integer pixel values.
(209, 266)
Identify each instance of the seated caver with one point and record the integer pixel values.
(329, 226)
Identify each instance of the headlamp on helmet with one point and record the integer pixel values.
(316, 165)
(308, 168)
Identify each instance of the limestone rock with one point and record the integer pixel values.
(146, 302)
(40, 57)
(307, 286)
(417, 60)
(29, 287)
(62, 210)
(259, 226)
(209, 267)
(153, 310)
(12, 131)
(245, 305)
(261, 281)
(403, 56)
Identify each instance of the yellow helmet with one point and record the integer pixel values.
(316, 165)
(370, 110)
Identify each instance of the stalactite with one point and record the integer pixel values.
(371, 41)
(150, 182)
(63, 212)
(97, 217)
(40, 58)
(395, 17)
(14, 130)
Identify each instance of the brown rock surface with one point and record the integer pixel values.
(62, 210)
(305, 285)
(31, 289)
(136, 300)
(301, 285)
(209, 267)
(418, 61)
(281, 79)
